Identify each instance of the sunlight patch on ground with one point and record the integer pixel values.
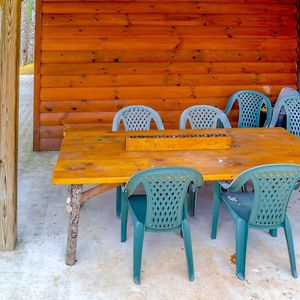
(27, 69)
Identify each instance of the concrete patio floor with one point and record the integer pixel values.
(36, 269)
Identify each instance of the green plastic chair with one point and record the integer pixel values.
(265, 208)
(134, 117)
(291, 106)
(250, 104)
(203, 116)
(163, 208)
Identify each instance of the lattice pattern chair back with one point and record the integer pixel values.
(292, 110)
(250, 104)
(137, 117)
(166, 189)
(203, 116)
(273, 186)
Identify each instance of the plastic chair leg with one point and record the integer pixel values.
(241, 247)
(192, 196)
(244, 188)
(273, 232)
(216, 208)
(137, 252)
(124, 217)
(188, 249)
(290, 245)
(118, 200)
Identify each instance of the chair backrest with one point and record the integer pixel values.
(291, 106)
(273, 185)
(137, 117)
(287, 92)
(166, 189)
(250, 104)
(203, 116)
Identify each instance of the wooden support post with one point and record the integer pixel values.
(73, 205)
(10, 13)
(37, 75)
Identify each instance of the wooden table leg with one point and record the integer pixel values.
(73, 206)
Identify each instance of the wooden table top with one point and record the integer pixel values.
(90, 155)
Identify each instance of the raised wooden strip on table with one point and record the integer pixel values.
(177, 142)
(91, 156)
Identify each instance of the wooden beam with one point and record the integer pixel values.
(10, 12)
(95, 191)
(37, 75)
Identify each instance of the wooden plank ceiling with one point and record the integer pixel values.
(94, 57)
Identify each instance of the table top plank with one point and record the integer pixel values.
(93, 156)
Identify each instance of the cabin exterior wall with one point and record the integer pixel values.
(94, 57)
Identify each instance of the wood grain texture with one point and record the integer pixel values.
(9, 87)
(168, 68)
(187, 7)
(75, 194)
(165, 80)
(85, 32)
(169, 19)
(121, 56)
(157, 92)
(85, 157)
(98, 56)
(37, 75)
(298, 37)
(167, 43)
(181, 142)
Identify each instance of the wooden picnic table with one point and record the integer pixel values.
(90, 155)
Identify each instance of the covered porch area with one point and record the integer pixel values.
(36, 269)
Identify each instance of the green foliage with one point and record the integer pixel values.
(29, 6)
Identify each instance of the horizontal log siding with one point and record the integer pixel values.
(97, 56)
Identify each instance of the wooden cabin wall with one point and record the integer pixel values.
(94, 57)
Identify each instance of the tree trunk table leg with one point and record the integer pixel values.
(73, 207)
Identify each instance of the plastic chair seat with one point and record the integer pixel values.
(241, 203)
